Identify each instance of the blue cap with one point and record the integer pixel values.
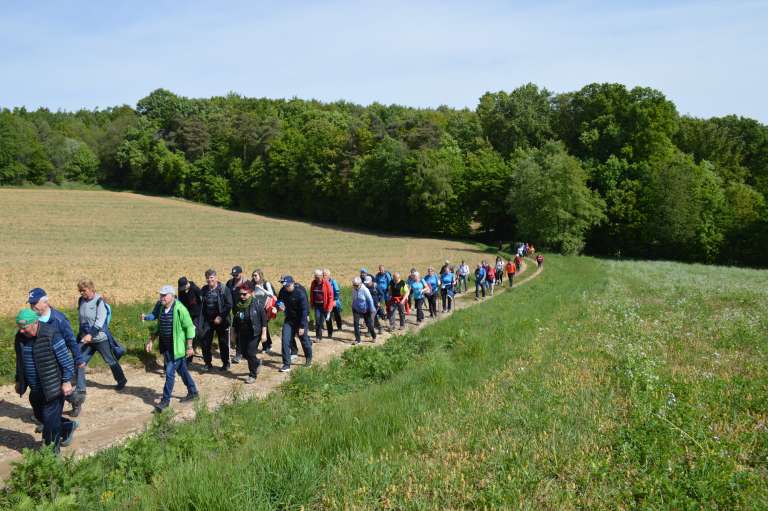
(35, 295)
(363, 270)
(287, 279)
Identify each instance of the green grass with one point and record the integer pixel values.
(600, 385)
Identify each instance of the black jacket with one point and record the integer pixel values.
(225, 303)
(192, 299)
(296, 305)
(47, 365)
(257, 315)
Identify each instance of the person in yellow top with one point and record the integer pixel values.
(398, 299)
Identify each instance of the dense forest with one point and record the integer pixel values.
(606, 169)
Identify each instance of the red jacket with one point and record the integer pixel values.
(326, 292)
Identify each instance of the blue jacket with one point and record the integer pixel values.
(446, 280)
(418, 289)
(336, 293)
(433, 282)
(296, 305)
(479, 274)
(382, 281)
(362, 301)
(62, 324)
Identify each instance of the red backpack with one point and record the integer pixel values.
(270, 307)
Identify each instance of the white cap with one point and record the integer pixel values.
(167, 290)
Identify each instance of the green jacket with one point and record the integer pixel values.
(183, 329)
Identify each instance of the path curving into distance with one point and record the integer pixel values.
(109, 417)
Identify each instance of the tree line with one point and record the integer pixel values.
(606, 169)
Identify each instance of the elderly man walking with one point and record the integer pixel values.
(292, 300)
(176, 332)
(46, 367)
(362, 308)
(217, 302)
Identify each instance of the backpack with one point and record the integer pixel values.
(270, 307)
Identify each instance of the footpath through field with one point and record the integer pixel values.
(109, 417)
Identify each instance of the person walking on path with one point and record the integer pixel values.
(233, 284)
(539, 261)
(362, 308)
(480, 280)
(378, 301)
(263, 292)
(398, 298)
(321, 300)
(383, 279)
(190, 295)
(336, 312)
(418, 287)
(94, 332)
(175, 333)
(511, 269)
(249, 319)
(499, 271)
(518, 262)
(433, 281)
(217, 303)
(38, 302)
(45, 366)
(463, 273)
(447, 286)
(292, 300)
(490, 278)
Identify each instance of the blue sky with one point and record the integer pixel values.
(708, 57)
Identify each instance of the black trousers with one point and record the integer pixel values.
(206, 340)
(249, 346)
(335, 316)
(432, 304)
(419, 312)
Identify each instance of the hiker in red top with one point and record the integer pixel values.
(321, 301)
(518, 262)
(510, 269)
(490, 277)
(540, 260)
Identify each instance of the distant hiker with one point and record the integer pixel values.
(364, 273)
(539, 261)
(531, 249)
(499, 270)
(444, 267)
(447, 286)
(518, 262)
(418, 286)
(45, 366)
(94, 335)
(490, 278)
(410, 280)
(292, 299)
(362, 308)
(383, 278)
(510, 269)
(336, 311)
(38, 302)
(321, 301)
(398, 298)
(264, 293)
(175, 333)
(217, 303)
(190, 295)
(463, 274)
(479, 281)
(433, 281)
(378, 302)
(249, 319)
(233, 284)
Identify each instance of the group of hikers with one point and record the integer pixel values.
(51, 359)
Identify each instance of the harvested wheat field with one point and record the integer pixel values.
(131, 244)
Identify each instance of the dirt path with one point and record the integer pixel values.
(108, 417)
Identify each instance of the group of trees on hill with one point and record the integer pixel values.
(606, 169)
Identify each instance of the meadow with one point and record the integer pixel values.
(599, 385)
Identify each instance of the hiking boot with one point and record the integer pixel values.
(191, 396)
(250, 380)
(76, 409)
(162, 405)
(294, 358)
(237, 359)
(271, 353)
(285, 369)
(206, 368)
(121, 385)
(67, 440)
(308, 363)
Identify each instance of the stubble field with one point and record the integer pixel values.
(132, 244)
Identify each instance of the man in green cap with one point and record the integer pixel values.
(46, 367)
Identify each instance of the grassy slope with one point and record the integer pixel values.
(600, 385)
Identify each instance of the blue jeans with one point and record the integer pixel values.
(171, 368)
(49, 414)
(289, 330)
(479, 286)
(103, 347)
(319, 321)
(462, 282)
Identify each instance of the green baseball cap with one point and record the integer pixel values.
(26, 317)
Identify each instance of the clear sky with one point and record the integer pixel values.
(710, 58)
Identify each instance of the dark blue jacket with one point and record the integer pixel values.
(61, 323)
(296, 305)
